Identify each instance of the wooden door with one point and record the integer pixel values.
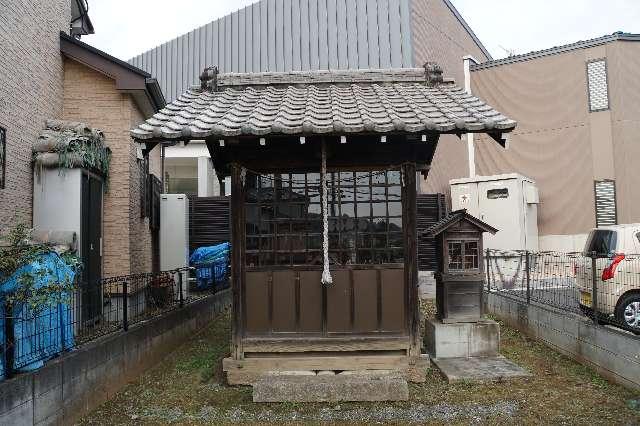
(90, 248)
(365, 300)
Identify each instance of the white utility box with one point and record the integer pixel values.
(174, 236)
(507, 202)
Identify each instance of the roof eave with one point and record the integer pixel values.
(583, 44)
(129, 79)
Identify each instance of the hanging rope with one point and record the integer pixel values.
(326, 273)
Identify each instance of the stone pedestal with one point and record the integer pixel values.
(462, 340)
(359, 386)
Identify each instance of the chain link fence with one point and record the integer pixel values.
(605, 289)
(30, 335)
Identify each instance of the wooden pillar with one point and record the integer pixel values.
(237, 260)
(409, 212)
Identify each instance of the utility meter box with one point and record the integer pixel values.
(507, 202)
(174, 236)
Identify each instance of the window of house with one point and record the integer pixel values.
(493, 194)
(598, 86)
(463, 255)
(3, 157)
(605, 197)
(284, 218)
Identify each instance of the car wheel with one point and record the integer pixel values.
(628, 312)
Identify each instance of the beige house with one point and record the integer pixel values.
(578, 113)
(31, 85)
(113, 96)
(47, 73)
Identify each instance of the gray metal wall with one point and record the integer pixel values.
(286, 35)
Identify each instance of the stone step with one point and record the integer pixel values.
(367, 386)
(481, 369)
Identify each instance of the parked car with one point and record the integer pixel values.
(617, 274)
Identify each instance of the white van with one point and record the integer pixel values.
(617, 274)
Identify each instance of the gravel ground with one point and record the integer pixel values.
(419, 413)
(187, 388)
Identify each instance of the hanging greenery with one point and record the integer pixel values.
(18, 252)
(68, 145)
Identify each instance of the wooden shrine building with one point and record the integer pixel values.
(323, 203)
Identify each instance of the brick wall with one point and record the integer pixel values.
(30, 92)
(92, 98)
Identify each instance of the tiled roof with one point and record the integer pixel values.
(583, 44)
(453, 218)
(321, 102)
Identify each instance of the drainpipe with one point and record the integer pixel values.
(467, 61)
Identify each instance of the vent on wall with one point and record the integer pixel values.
(606, 214)
(598, 87)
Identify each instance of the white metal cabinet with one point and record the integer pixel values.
(174, 235)
(506, 202)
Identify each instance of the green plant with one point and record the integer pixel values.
(20, 252)
(91, 149)
(85, 150)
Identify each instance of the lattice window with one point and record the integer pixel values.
(3, 157)
(606, 212)
(463, 255)
(598, 87)
(284, 219)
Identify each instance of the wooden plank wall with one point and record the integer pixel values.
(208, 221)
(431, 208)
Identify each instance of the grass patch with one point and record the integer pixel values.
(188, 388)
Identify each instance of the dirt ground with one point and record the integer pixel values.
(187, 388)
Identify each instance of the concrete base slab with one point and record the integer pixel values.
(336, 388)
(493, 369)
(462, 340)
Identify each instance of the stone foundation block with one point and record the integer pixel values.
(336, 388)
(462, 340)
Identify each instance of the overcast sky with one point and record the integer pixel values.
(125, 28)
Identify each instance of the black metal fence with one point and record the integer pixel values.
(31, 334)
(605, 289)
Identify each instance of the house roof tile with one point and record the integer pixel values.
(321, 102)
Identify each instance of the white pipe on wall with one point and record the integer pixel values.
(467, 87)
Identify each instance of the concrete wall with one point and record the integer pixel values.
(93, 98)
(74, 384)
(30, 92)
(611, 352)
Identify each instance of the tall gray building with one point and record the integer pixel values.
(289, 35)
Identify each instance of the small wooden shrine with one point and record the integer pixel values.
(324, 169)
(460, 273)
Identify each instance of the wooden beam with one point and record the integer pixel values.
(330, 344)
(409, 212)
(237, 260)
(248, 370)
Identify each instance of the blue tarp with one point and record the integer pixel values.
(212, 265)
(42, 332)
